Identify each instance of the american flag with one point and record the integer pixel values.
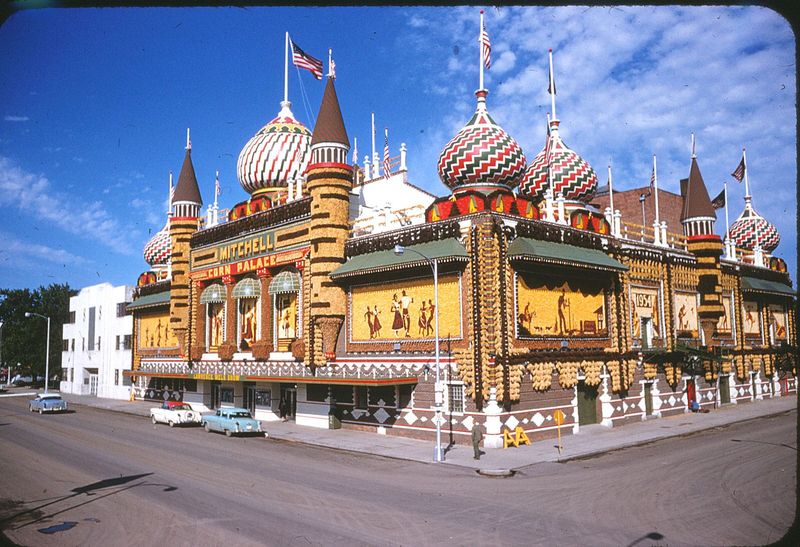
(486, 49)
(217, 187)
(652, 181)
(719, 201)
(386, 153)
(301, 59)
(738, 173)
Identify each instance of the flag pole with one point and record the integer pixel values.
(746, 181)
(610, 191)
(552, 88)
(655, 186)
(286, 69)
(727, 224)
(480, 52)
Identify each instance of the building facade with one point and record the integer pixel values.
(97, 342)
(522, 296)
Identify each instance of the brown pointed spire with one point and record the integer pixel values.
(330, 125)
(696, 202)
(187, 189)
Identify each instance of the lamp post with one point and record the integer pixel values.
(8, 371)
(438, 397)
(47, 355)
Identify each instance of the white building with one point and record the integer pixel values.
(96, 342)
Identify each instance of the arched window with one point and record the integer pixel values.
(285, 290)
(213, 297)
(247, 292)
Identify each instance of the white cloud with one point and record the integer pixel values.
(16, 248)
(32, 193)
(10, 118)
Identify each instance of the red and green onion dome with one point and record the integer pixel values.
(570, 175)
(277, 154)
(751, 229)
(481, 154)
(158, 250)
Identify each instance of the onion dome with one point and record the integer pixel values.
(158, 250)
(751, 229)
(277, 154)
(482, 153)
(570, 175)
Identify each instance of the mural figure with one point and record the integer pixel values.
(682, 317)
(370, 323)
(423, 318)
(430, 323)
(376, 322)
(405, 302)
(397, 322)
(217, 314)
(751, 318)
(563, 303)
(158, 333)
(777, 319)
(248, 327)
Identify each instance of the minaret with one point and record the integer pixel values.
(185, 221)
(329, 182)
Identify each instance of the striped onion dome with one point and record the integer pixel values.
(481, 153)
(571, 176)
(158, 250)
(278, 153)
(751, 229)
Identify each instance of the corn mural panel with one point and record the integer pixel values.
(777, 320)
(154, 332)
(645, 305)
(751, 319)
(724, 321)
(686, 314)
(405, 310)
(548, 307)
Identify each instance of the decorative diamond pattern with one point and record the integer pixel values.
(410, 417)
(467, 423)
(381, 415)
(537, 419)
(512, 422)
(671, 400)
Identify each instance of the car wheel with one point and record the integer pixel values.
(41, 411)
(171, 423)
(30, 408)
(208, 429)
(228, 433)
(154, 420)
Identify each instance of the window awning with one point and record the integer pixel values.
(754, 284)
(285, 282)
(561, 254)
(213, 294)
(443, 251)
(247, 288)
(150, 301)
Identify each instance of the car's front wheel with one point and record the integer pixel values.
(208, 429)
(30, 408)
(228, 433)
(171, 423)
(154, 420)
(41, 410)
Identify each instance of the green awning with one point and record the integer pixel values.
(213, 294)
(247, 288)
(754, 284)
(443, 251)
(561, 254)
(150, 301)
(285, 282)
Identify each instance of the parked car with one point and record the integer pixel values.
(232, 421)
(48, 402)
(174, 413)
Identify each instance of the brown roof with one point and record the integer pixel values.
(330, 125)
(696, 202)
(187, 189)
(628, 204)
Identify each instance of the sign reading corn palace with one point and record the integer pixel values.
(517, 299)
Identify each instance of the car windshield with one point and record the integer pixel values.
(50, 398)
(181, 407)
(240, 414)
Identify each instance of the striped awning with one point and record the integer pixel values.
(213, 294)
(285, 282)
(247, 288)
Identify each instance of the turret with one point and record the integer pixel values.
(329, 182)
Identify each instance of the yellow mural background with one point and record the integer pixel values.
(685, 312)
(645, 304)
(724, 322)
(752, 323)
(155, 332)
(777, 317)
(582, 306)
(381, 299)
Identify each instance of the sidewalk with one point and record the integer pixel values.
(592, 440)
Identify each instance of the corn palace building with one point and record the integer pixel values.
(524, 294)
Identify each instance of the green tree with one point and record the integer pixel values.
(23, 338)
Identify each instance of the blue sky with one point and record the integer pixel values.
(94, 106)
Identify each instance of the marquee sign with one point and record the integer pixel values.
(250, 264)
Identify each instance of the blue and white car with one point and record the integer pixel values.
(48, 402)
(232, 421)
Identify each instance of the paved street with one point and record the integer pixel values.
(94, 477)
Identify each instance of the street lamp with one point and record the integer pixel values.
(47, 355)
(438, 388)
(8, 375)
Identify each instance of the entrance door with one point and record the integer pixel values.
(648, 399)
(724, 390)
(93, 384)
(587, 404)
(215, 394)
(289, 395)
(250, 397)
(753, 385)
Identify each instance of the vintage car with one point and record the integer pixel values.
(232, 421)
(48, 402)
(175, 413)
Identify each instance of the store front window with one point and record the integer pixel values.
(285, 289)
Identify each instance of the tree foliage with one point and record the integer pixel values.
(23, 338)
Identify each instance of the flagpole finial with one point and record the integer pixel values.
(188, 140)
